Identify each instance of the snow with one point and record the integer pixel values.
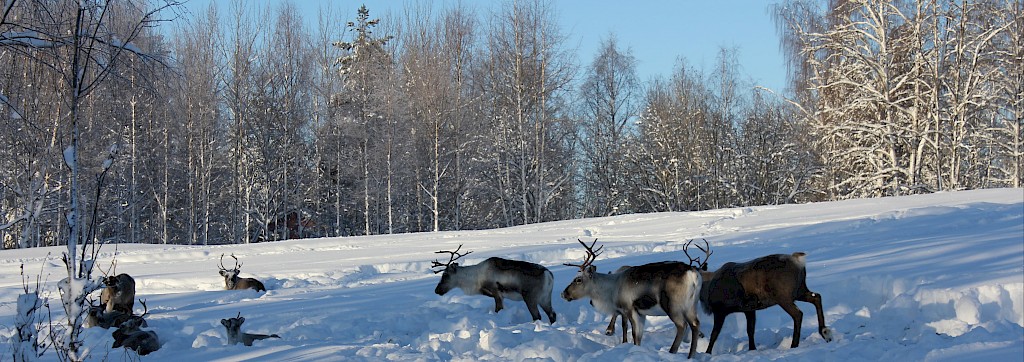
(928, 277)
(25, 38)
(117, 43)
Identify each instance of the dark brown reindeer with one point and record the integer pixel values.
(663, 288)
(235, 335)
(499, 278)
(777, 279)
(130, 335)
(233, 282)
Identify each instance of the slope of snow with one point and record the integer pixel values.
(929, 277)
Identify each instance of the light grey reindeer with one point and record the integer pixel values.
(118, 293)
(235, 335)
(130, 335)
(662, 288)
(499, 278)
(233, 282)
(607, 308)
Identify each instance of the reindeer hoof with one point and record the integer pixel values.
(826, 333)
(609, 332)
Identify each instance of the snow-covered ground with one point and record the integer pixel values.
(930, 277)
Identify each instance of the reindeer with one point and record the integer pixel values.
(97, 316)
(119, 291)
(499, 278)
(235, 335)
(758, 284)
(702, 267)
(129, 334)
(662, 288)
(233, 282)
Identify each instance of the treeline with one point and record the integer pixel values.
(245, 124)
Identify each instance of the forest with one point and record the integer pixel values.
(136, 121)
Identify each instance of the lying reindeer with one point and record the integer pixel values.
(758, 284)
(130, 336)
(662, 288)
(233, 282)
(499, 278)
(235, 335)
(97, 316)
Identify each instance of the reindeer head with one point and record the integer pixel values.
(577, 288)
(696, 262)
(230, 274)
(233, 325)
(109, 278)
(134, 322)
(449, 270)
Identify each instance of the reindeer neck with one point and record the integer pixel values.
(605, 284)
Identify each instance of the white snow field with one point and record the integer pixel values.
(918, 278)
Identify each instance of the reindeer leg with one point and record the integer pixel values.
(610, 330)
(625, 328)
(815, 298)
(715, 330)
(493, 293)
(694, 323)
(637, 321)
(751, 323)
(546, 305)
(798, 318)
(531, 305)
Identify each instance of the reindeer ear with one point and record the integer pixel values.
(591, 269)
(224, 322)
(453, 267)
(241, 320)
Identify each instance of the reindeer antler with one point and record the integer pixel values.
(454, 256)
(695, 262)
(591, 255)
(113, 263)
(145, 309)
(238, 265)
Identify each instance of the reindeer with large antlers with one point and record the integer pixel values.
(498, 278)
(233, 282)
(662, 288)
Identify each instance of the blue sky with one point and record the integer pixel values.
(657, 31)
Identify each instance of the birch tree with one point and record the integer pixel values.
(526, 74)
(609, 97)
(83, 46)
